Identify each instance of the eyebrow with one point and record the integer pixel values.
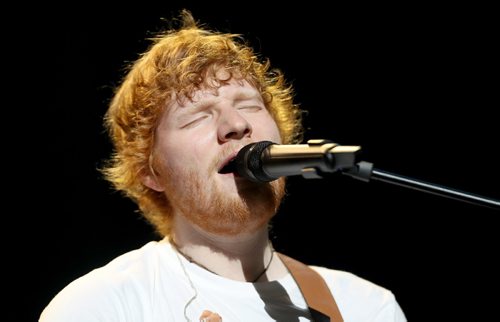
(247, 95)
(201, 105)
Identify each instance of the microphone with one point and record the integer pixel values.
(266, 161)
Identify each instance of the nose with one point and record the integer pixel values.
(233, 126)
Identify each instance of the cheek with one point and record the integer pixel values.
(189, 155)
(268, 129)
(170, 155)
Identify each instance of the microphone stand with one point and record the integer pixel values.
(266, 161)
(364, 171)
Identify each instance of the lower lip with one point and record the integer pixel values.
(235, 174)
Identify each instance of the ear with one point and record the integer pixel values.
(151, 181)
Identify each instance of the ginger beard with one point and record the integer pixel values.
(203, 202)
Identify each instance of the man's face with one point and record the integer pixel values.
(195, 139)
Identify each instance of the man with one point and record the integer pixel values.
(184, 110)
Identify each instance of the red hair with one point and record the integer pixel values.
(178, 63)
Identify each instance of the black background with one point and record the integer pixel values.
(415, 86)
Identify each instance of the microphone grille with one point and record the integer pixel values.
(249, 161)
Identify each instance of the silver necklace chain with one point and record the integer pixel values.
(177, 251)
(192, 286)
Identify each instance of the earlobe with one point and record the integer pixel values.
(151, 181)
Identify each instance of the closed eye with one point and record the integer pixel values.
(194, 122)
(251, 108)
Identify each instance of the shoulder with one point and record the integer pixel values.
(132, 267)
(105, 291)
(352, 292)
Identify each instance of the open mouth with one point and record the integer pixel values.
(229, 167)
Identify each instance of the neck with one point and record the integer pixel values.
(245, 257)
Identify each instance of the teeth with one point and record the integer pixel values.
(229, 167)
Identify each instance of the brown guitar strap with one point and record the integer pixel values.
(318, 297)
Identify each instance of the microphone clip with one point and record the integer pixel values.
(337, 157)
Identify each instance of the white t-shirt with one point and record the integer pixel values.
(155, 283)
